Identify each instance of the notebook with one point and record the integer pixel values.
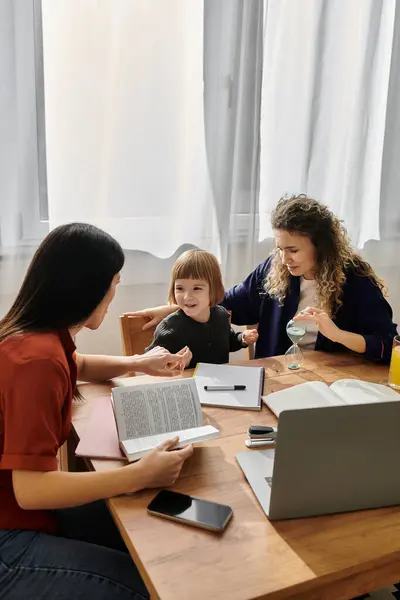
(100, 436)
(316, 394)
(229, 375)
(142, 417)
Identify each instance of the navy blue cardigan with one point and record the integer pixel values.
(364, 311)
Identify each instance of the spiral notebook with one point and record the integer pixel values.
(252, 378)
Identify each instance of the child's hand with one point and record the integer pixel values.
(249, 336)
(158, 361)
(186, 357)
(187, 354)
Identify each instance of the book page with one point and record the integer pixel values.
(135, 448)
(312, 394)
(355, 391)
(143, 410)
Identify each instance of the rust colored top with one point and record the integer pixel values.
(37, 382)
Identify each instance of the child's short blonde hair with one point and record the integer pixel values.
(198, 264)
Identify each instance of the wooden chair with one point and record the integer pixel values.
(134, 339)
(62, 457)
(250, 349)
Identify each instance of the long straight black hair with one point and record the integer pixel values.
(68, 277)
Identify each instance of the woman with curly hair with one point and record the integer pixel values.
(313, 270)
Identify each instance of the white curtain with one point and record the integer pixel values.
(20, 144)
(22, 150)
(233, 41)
(125, 121)
(324, 102)
(8, 146)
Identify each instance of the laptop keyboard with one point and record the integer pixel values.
(269, 481)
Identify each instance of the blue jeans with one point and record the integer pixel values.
(87, 559)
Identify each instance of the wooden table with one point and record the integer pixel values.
(322, 558)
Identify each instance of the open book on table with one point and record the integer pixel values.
(148, 414)
(315, 394)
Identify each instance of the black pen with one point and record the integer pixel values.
(224, 388)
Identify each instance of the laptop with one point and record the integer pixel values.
(328, 460)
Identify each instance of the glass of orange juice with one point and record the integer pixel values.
(394, 373)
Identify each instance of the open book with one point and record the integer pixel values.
(148, 414)
(315, 394)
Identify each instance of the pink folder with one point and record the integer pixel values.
(100, 437)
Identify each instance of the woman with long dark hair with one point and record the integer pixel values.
(57, 539)
(313, 270)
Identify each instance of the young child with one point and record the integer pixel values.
(200, 323)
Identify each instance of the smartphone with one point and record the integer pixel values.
(193, 511)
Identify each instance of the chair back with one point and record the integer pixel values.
(134, 339)
(250, 349)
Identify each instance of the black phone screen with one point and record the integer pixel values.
(191, 510)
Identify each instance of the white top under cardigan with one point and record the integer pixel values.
(308, 297)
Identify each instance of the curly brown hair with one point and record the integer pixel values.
(334, 253)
